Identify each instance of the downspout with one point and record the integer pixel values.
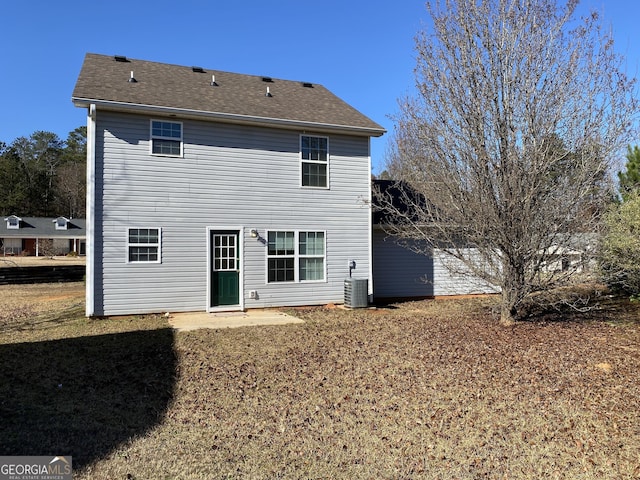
(370, 229)
(91, 205)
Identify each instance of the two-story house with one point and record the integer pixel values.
(210, 190)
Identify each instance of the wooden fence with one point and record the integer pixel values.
(41, 274)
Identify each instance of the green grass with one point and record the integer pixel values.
(434, 390)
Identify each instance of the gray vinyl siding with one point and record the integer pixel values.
(229, 176)
(399, 272)
(402, 273)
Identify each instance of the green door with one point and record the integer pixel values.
(225, 268)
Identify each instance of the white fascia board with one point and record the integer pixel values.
(228, 117)
(90, 297)
(50, 235)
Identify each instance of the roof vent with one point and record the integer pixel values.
(267, 79)
(131, 79)
(307, 85)
(197, 69)
(268, 94)
(213, 81)
(120, 58)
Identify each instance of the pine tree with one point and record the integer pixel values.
(630, 179)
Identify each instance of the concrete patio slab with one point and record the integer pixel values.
(194, 320)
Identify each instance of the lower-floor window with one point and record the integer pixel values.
(281, 270)
(143, 245)
(311, 251)
(295, 256)
(12, 246)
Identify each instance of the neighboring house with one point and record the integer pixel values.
(41, 236)
(400, 273)
(210, 190)
(574, 253)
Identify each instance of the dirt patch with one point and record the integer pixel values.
(604, 367)
(58, 297)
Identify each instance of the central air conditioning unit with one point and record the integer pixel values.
(356, 292)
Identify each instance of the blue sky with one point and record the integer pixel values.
(361, 50)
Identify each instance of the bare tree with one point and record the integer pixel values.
(507, 145)
(71, 190)
(71, 175)
(46, 248)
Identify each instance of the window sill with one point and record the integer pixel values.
(166, 155)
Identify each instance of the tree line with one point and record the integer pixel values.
(44, 176)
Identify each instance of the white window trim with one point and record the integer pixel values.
(323, 256)
(11, 226)
(64, 225)
(317, 162)
(296, 256)
(268, 257)
(159, 245)
(152, 137)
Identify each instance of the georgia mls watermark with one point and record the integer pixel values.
(35, 468)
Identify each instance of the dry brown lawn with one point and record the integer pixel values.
(433, 390)
(29, 261)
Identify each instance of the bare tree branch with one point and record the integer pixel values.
(507, 146)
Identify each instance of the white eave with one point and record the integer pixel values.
(227, 117)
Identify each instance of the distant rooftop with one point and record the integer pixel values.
(42, 227)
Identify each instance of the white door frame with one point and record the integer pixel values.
(226, 308)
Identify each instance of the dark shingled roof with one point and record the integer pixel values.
(43, 227)
(187, 91)
(396, 193)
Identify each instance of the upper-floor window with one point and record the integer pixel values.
(143, 245)
(314, 160)
(166, 138)
(13, 222)
(61, 223)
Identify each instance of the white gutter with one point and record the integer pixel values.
(229, 117)
(91, 209)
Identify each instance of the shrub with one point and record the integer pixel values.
(620, 247)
